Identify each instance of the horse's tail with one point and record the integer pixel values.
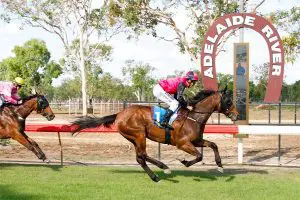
(91, 122)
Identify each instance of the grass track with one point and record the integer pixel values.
(32, 182)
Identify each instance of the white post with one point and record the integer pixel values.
(93, 105)
(240, 150)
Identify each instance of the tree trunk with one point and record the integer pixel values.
(83, 74)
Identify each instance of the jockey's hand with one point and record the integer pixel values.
(190, 108)
(20, 102)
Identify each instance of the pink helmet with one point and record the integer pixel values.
(192, 76)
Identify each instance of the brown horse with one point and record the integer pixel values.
(135, 123)
(12, 121)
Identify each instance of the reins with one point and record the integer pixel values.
(199, 112)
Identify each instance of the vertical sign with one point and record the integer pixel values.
(241, 81)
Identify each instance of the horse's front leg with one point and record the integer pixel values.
(214, 147)
(191, 149)
(27, 142)
(38, 149)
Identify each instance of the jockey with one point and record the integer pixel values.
(171, 91)
(9, 91)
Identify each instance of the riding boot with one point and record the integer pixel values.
(166, 120)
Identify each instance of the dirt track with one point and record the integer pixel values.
(112, 148)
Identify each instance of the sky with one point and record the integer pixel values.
(162, 55)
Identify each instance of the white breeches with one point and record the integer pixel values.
(159, 93)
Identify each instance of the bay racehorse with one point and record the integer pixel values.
(135, 123)
(12, 121)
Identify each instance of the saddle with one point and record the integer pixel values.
(159, 113)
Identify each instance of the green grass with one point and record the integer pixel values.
(22, 182)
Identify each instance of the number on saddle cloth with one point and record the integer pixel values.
(159, 114)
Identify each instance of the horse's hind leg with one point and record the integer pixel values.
(214, 147)
(27, 143)
(159, 164)
(139, 142)
(191, 149)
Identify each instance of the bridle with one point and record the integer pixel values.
(222, 109)
(41, 104)
(198, 112)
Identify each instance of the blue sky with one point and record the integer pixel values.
(162, 55)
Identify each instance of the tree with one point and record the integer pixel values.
(70, 20)
(288, 21)
(155, 18)
(296, 91)
(251, 91)
(151, 17)
(139, 76)
(225, 80)
(32, 62)
(93, 66)
(109, 88)
(71, 89)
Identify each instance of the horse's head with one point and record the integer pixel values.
(227, 106)
(42, 107)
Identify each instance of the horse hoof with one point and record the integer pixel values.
(221, 169)
(167, 171)
(155, 178)
(47, 161)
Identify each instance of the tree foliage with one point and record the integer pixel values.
(70, 20)
(288, 21)
(154, 18)
(32, 62)
(139, 77)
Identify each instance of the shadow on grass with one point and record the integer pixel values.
(200, 176)
(53, 167)
(8, 192)
(267, 156)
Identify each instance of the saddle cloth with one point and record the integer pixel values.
(159, 114)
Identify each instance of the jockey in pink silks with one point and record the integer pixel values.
(171, 91)
(9, 91)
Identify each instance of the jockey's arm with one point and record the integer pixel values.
(11, 99)
(179, 95)
(16, 97)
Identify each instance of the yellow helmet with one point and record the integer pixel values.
(19, 81)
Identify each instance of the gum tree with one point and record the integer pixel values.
(32, 62)
(69, 20)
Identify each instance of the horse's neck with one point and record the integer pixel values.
(26, 108)
(207, 107)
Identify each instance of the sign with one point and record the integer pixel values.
(258, 24)
(241, 81)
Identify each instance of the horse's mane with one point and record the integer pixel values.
(29, 97)
(200, 96)
(24, 100)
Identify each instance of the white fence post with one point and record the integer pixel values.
(240, 150)
(93, 106)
